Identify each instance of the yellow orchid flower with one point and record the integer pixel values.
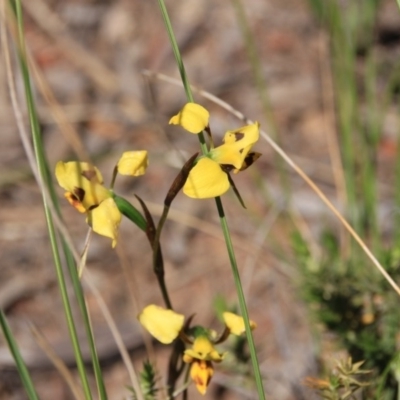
(163, 324)
(201, 372)
(167, 325)
(235, 323)
(209, 177)
(202, 349)
(86, 192)
(83, 183)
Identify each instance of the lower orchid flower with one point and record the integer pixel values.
(85, 191)
(210, 176)
(167, 325)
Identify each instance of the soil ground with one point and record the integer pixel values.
(91, 56)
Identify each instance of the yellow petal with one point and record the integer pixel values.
(83, 181)
(193, 117)
(241, 140)
(201, 372)
(235, 323)
(206, 180)
(228, 153)
(133, 163)
(203, 349)
(163, 324)
(248, 134)
(105, 219)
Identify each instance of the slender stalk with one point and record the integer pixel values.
(156, 249)
(232, 258)
(180, 64)
(242, 300)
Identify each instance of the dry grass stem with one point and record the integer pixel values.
(58, 363)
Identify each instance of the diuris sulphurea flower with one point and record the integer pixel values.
(86, 192)
(167, 325)
(210, 176)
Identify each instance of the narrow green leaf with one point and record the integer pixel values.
(44, 174)
(21, 367)
(130, 212)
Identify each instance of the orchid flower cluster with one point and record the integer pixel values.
(166, 326)
(203, 176)
(208, 178)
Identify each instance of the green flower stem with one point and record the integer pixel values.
(22, 370)
(242, 300)
(86, 319)
(180, 64)
(221, 213)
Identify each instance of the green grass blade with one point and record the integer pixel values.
(22, 370)
(44, 175)
(86, 320)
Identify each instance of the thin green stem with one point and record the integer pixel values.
(224, 225)
(181, 66)
(86, 319)
(242, 300)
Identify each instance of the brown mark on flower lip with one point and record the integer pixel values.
(250, 159)
(79, 193)
(239, 135)
(89, 174)
(227, 167)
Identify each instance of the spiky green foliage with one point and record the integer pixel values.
(343, 382)
(355, 304)
(148, 381)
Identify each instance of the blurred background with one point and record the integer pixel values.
(321, 76)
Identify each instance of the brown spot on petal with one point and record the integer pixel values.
(239, 135)
(89, 174)
(79, 193)
(250, 159)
